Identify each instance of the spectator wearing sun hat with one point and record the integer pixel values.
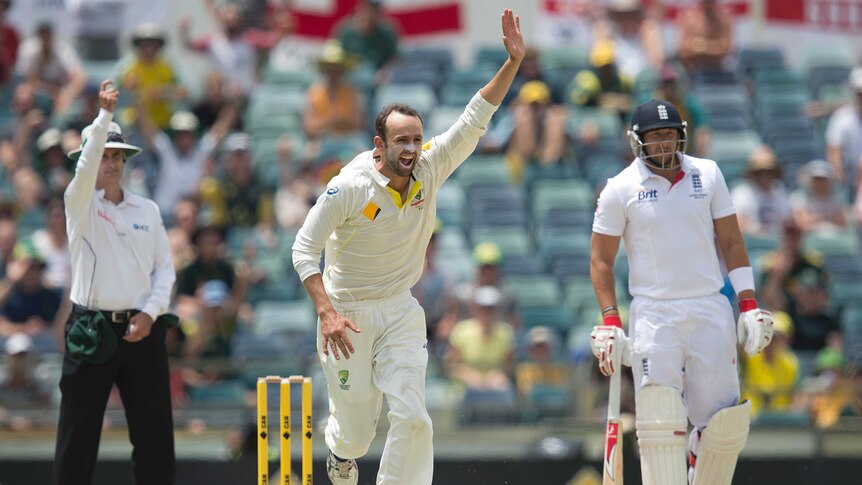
(762, 204)
(844, 135)
(150, 79)
(27, 305)
(602, 84)
(21, 389)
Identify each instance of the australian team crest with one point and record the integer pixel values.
(343, 376)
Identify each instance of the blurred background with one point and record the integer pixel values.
(246, 109)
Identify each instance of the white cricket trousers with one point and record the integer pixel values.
(390, 359)
(688, 344)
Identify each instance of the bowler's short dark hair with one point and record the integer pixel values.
(383, 115)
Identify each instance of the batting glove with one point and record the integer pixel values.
(754, 327)
(610, 345)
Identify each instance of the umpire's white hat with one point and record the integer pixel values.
(115, 140)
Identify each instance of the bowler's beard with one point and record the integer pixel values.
(391, 158)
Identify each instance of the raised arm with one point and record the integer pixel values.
(79, 193)
(498, 86)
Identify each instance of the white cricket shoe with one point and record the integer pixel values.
(340, 472)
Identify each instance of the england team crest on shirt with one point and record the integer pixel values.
(697, 187)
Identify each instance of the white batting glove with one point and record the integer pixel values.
(611, 347)
(754, 327)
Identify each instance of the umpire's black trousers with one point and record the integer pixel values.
(140, 371)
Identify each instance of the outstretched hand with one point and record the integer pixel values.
(512, 39)
(108, 96)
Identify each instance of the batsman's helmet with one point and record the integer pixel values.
(653, 115)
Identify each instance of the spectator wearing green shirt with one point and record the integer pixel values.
(369, 36)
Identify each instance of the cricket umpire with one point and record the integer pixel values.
(671, 210)
(122, 275)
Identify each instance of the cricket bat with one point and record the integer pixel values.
(613, 464)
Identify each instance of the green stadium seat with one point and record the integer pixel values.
(280, 317)
(570, 194)
(487, 170)
(534, 290)
(512, 241)
(832, 243)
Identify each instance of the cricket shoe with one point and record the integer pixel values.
(341, 472)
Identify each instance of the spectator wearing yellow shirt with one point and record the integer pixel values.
(771, 378)
(150, 78)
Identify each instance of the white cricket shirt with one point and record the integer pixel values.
(667, 229)
(375, 244)
(120, 254)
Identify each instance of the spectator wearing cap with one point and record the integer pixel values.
(481, 348)
(488, 257)
(334, 107)
(238, 197)
(21, 390)
(122, 277)
(835, 392)
(844, 136)
(8, 45)
(771, 378)
(52, 164)
(182, 153)
(762, 204)
(370, 36)
(602, 85)
(540, 370)
(211, 336)
(636, 34)
(705, 36)
(816, 205)
(52, 67)
(783, 268)
(672, 89)
(150, 79)
(26, 304)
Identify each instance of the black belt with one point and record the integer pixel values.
(118, 316)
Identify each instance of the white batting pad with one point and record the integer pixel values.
(661, 429)
(720, 444)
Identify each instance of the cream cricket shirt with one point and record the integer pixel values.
(120, 254)
(375, 242)
(667, 229)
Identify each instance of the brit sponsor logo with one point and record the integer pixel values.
(648, 195)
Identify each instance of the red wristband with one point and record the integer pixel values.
(747, 305)
(612, 320)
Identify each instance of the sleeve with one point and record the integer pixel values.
(610, 217)
(721, 204)
(449, 150)
(79, 193)
(162, 144)
(332, 209)
(163, 276)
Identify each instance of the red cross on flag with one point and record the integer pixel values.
(415, 18)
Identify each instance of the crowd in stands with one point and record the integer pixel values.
(506, 287)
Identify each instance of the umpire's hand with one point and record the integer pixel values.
(139, 327)
(108, 96)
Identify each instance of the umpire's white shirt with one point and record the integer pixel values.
(667, 229)
(120, 254)
(375, 242)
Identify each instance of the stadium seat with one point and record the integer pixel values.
(522, 265)
(417, 95)
(451, 204)
(299, 79)
(441, 118)
(439, 57)
(554, 316)
(832, 243)
(541, 290)
(280, 317)
(574, 195)
(512, 241)
(488, 170)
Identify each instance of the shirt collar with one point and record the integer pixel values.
(646, 173)
(127, 198)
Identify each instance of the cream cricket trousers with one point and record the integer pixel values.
(688, 344)
(390, 359)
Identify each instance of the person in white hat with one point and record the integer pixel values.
(122, 272)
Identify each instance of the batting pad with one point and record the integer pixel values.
(661, 429)
(720, 444)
